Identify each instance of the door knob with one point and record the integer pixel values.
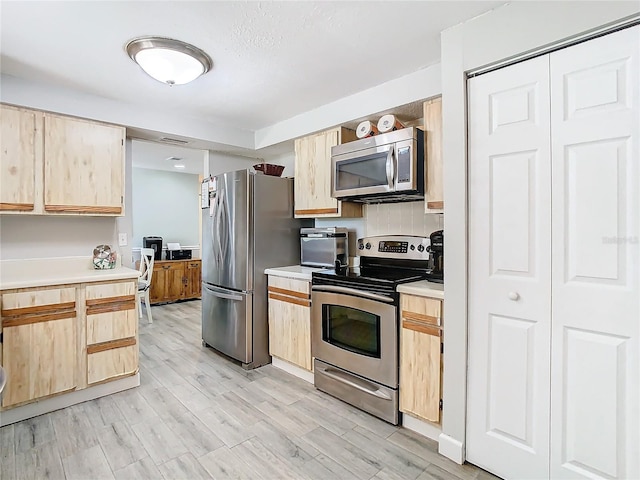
(515, 296)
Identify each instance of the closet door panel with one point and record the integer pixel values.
(509, 270)
(595, 268)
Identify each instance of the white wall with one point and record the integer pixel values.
(498, 35)
(26, 236)
(165, 204)
(125, 224)
(415, 86)
(62, 100)
(221, 163)
(387, 219)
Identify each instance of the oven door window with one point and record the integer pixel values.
(351, 329)
(361, 172)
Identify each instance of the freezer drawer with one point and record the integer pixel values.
(227, 322)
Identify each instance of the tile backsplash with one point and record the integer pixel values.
(401, 219)
(406, 218)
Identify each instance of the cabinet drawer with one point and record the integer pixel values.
(289, 286)
(169, 266)
(110, 290)
(422, 310)
(112, 363)
(34, 302)
(107, 326)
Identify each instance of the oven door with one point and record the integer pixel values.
(356, 333)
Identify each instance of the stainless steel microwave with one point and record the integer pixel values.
(379, 169)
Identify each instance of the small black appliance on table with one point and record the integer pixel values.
(355, 321)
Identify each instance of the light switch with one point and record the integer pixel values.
(122, 239)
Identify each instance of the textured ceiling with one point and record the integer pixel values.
(272, 60)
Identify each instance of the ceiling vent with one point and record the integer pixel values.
(175, 141)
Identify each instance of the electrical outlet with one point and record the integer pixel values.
(122, 239)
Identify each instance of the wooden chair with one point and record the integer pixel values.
(144, 281)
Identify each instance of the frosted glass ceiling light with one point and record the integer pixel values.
(169, 61)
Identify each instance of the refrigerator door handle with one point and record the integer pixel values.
(220, 294)
(224, 228)
(215, 230)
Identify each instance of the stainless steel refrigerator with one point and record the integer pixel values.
(248, 227)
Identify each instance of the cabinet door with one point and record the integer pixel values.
(18, 131)
(158, 283)
(193, 288)
(434, 195)
(420, 357)
(39, 344)
(83, 166)
(176, 281)
(168, 281)
(312, 181)
(290, 321)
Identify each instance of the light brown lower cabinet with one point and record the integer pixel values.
(112, 326)
(421, 357)
(290, 320)
(176, 280)
(39, 330)
(63, 338)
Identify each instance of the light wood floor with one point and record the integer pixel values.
(197, 415)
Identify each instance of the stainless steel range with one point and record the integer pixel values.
(355, 322)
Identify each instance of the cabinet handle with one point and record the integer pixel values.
(515, 296)
(166, 267)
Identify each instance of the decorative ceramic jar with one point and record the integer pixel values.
(103, 257)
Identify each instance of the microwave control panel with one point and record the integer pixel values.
(404, 164)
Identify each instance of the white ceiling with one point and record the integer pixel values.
(272, 60)
(158, 156)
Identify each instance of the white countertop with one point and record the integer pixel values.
(423, 289)
(293, 271)
(39, 272)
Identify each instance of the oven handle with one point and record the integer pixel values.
(352, 291)
(345, 378)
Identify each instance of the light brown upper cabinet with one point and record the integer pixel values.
(312, 183)
(83, 166)
(434, 197)
(18, 131)
(53, 164)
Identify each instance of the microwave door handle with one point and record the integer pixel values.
(391, 168)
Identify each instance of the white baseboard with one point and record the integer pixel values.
(451, 448)
(41, 407)
(424, 428)
(292, 369)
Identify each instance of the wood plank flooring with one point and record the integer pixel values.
(197, 415)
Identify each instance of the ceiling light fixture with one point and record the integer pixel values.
(167, 60)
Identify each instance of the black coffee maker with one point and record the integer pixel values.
(436, 257)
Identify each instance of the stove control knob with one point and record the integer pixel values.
(421, 248)
(368, 246)
(412, 247)
(360, 246)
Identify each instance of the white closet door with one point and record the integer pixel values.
(595, 267)
(509, 271)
